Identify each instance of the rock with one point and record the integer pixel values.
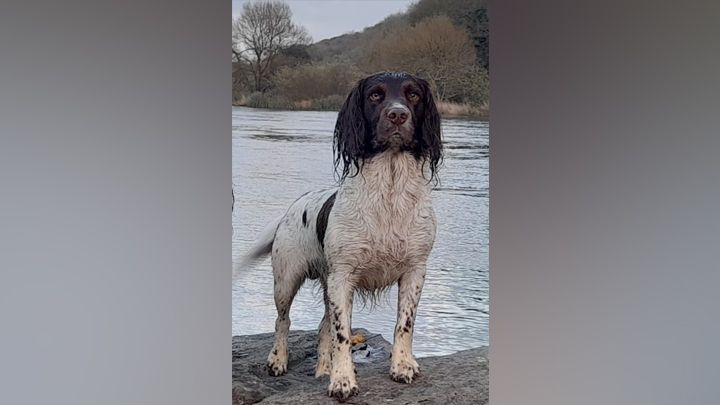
(459, 378)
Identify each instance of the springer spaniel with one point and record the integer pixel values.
(376, 228)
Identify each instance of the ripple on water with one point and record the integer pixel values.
(278, 155)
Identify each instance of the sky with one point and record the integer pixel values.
(330, 18)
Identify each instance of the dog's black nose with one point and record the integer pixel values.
(397, 115)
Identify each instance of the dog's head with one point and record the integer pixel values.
(388, 111)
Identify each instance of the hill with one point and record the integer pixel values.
(445, 42)
(471, 15)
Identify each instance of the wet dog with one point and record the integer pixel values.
(375, 229)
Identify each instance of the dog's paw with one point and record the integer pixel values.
(276, 365)
(275, 369)
(404, 371)
(343, 388)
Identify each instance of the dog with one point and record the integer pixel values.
(375, 229)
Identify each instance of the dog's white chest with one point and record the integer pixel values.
(385, 235)
(382, 223)
(389, 251)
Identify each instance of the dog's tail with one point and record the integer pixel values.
(261, 247)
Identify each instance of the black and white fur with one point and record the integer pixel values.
(375, 229)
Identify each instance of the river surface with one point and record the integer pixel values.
(279, 155)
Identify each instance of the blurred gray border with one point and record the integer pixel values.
(605, 202)
(115, 167)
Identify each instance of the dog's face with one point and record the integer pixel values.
(388, 111)
(392, 105)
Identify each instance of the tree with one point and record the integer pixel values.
(434, 49)
(468, 14)
(261, 32)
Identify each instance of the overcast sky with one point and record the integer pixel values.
(330, 18)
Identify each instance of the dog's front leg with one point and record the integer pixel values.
(340, 295)
(403, 367)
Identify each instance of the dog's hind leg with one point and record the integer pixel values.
(403, 367)
(324, 339)
(288, 280)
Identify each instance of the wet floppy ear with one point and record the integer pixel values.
(430, 131)
(350, 130)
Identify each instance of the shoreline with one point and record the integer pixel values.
(483, 116)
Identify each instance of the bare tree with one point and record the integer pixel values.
(263, 29)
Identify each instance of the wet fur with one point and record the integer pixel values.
(375, 229)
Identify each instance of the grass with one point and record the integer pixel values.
(448, 109)
(333, 103)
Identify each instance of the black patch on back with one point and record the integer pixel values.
(305, 218)
(322, 219)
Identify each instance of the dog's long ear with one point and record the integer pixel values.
(430, 145)
(350, 132)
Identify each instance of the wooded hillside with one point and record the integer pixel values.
(443, 41)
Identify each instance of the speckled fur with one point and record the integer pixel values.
(379, 232)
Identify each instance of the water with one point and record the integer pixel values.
(279, 155)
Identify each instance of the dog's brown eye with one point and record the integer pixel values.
(413, 97)
(375, 96)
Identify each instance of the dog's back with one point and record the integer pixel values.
(297, 236)
(297, 246)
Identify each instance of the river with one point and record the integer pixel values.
(279, 155)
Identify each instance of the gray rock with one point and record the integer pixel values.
(459, 378)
